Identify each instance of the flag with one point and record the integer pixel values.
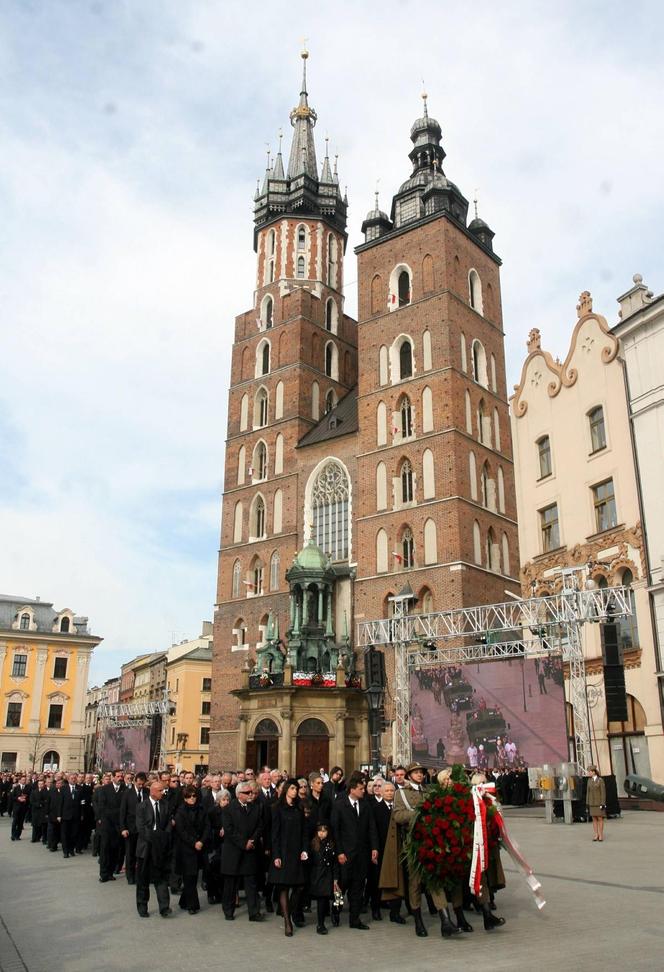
(259, 324)
(397, 556)
(251, 471)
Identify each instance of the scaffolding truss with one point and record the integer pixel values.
(497, 631)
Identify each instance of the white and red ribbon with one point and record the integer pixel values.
(480, 860)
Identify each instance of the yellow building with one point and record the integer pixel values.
(189, 680)
(44, 661)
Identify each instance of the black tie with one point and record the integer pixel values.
(156, 815)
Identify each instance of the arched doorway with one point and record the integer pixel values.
(263, 749)
(313, 747)
(51, 761)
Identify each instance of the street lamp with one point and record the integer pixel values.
(375, 696)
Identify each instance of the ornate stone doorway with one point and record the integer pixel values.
(312, 747)
(263, 749)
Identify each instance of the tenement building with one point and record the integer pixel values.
(578, 506)
(364, 459)
(44, 660)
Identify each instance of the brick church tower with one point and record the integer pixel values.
(294, 358)
(343, 489)
(436, 509)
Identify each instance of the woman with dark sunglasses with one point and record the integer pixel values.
(192, 833)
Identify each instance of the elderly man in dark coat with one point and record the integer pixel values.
(240, 858)
(39, 808)
(153, 850)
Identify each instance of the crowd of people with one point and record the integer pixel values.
(297, 847)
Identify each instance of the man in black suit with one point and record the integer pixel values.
(356, 843)
(87, 817)
(240, 854)
(153, 850)
(39, 816)
(19, 804)
(267, 797)
(54, 813)
(132, 796)
(108, 809)
(71, 815)
(335, 785)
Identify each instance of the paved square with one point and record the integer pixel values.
(605, 910)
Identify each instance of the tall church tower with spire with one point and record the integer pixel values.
(436, 514)
(294, 359)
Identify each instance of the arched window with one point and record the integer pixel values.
(375, 294)
(430, 542)
(237, 523)
(484, 485)
(330, 498)
(479, 364)
(506, 555)
(475, 291)
(494, 384)
(427, 361)
(427, 273)
(469, 415)
(492, 552)
(241, 465)
(330, 400)
(64, 625)
(277, 511)
(477, 543)
(464, 357)
(381, 424)
(381, 552)
(279, 400)
(260, 409)
(240, 634)
(496, 429)
(237, 578)
(383, 376)
(300, 267)
(301, 239)
(267, 308)
(544, 456)
(257, 519)
(274, 571)
(501, 490)
(427, 410)
(25, 622)
(407, 549)
(406, 482)
(331, 316)
(426, 601)
(279, 455)
(472, 475)
(428, 475)
(403, 291)
(405, 360)
(381, 486)
(315, 401)
(628, 630)
(331, 361)
(263, 358)
(628, 743)
(482, 424)
(244, 412)
(269, 262)
(406, 417)
(331, 260)
(259, 463)
(597, 429)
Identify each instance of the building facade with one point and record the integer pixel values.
(189, 685)
(44, 662)
(361, 457)
(578, 505)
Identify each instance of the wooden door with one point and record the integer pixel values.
(312, 752)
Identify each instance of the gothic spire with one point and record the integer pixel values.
(303, 118)
(326, 174)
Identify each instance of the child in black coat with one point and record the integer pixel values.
(323, 876)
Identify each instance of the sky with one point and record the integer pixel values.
(132, 133)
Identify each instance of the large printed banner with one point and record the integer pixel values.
(506, 713)
(126, 748)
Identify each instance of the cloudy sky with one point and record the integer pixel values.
(132, 134)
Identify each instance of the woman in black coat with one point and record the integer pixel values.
(289, 852)
(192, 831)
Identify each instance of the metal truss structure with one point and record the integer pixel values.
(493, 631)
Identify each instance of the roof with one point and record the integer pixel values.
(312, 557)
(199, 653)
(43, 613)
(341, 420)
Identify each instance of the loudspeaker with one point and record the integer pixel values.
(375, 668)
(610, 648)
(616, 697)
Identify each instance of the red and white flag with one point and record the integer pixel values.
(397, 556)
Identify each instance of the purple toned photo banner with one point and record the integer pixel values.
(504, 713)
(126, 748)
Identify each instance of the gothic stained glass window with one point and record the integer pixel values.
(330, 508)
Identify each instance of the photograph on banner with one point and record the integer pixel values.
(508, 713)
(126, 748)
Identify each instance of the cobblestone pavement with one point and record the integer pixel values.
(604, 910)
